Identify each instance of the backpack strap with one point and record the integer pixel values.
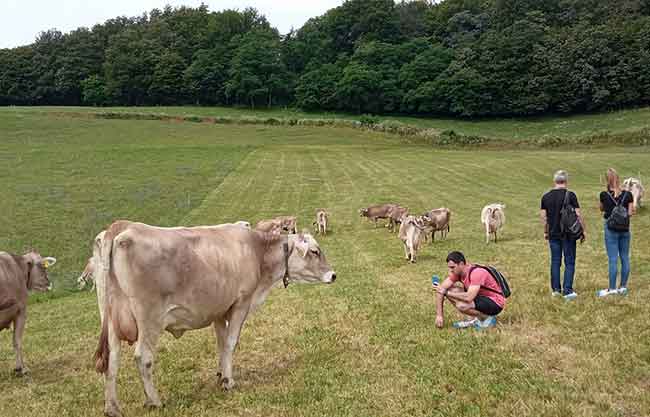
(482, 286)
(566, 198)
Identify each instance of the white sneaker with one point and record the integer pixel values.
(463, 324)
(621, 291)
(556, 294)
(570, 296)
(606, 292)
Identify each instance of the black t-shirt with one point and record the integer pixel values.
(624, 199)
(552, 202)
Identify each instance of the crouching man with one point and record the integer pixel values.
(472, 290)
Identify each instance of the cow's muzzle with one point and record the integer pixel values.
(329, 277)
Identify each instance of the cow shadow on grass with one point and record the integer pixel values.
(248, 376)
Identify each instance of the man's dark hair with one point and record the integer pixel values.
(456, 257)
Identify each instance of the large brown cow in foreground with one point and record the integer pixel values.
(184, 278)
(18, 276)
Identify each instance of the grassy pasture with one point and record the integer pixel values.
(505, 128)
(365, 346)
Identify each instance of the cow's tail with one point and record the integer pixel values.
(105, 275)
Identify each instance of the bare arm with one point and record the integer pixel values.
(542, 215)
(584, 226)
(465, 296)
(631, 211)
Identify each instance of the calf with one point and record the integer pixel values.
(634, 186)
(18, 276)
(493, 217)
(437, 220)
(376, 212)
(395, 215)
(321, 221)
(410, 233)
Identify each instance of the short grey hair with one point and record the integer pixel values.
(560, 176)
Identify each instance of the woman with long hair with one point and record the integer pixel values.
(617, 207)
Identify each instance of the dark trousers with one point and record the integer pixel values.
(560, 247)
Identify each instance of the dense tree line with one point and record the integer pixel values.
(455, 57)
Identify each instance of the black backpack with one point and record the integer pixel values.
(619, 219)
(498, 277)
(570, 225)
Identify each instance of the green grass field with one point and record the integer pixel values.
(509, 128)
(365, 346)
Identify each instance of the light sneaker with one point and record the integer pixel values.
(571, 296)
(463, 324)
(490, 321)
(556, 294)
(622, 291)
(606, 292)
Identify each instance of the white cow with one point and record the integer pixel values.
(634, 186)
(493, 217)
(410, 233)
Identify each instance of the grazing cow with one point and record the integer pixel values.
(376, 212)
(277, 225)
(634, 186)
(19, 275)
(321, 221)
(184, 278)
(410, 233)
(437, 220)
(395, 215)
(493, 217)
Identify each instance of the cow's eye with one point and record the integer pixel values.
(315, 252)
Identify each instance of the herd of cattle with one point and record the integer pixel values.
(152, 279)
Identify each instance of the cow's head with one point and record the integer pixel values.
(87, 274)
(289, 224)
(37, 279)
(363, 212)
(307, 261)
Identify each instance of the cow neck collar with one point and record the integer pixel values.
(287, 253)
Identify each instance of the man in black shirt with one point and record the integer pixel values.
(560, 244)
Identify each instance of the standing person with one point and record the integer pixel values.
(559, 243)
(617, 236)
(480, 297)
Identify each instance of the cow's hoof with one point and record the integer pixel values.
(151, 404)
(112, 411)
(21, 371)
(227, 384)
(219, 375)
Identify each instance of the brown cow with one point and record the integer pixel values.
(376, 212)
(18, 276)
(395, 215)
(185, 278)
(278, 225)
(436, 220)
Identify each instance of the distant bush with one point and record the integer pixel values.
(369, 120)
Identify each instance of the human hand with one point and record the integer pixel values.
(545, 235)
(439, 321)
(583, 237)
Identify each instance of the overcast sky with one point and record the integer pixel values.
(22, 20)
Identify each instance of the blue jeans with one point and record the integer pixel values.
(617, 245)
(558, 248)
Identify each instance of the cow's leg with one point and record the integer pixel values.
(237, 316)
(406, 251)
(144, 357)
(19, 328)
(111, 404)
(220, 327)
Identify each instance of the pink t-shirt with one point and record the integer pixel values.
(480, 276)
